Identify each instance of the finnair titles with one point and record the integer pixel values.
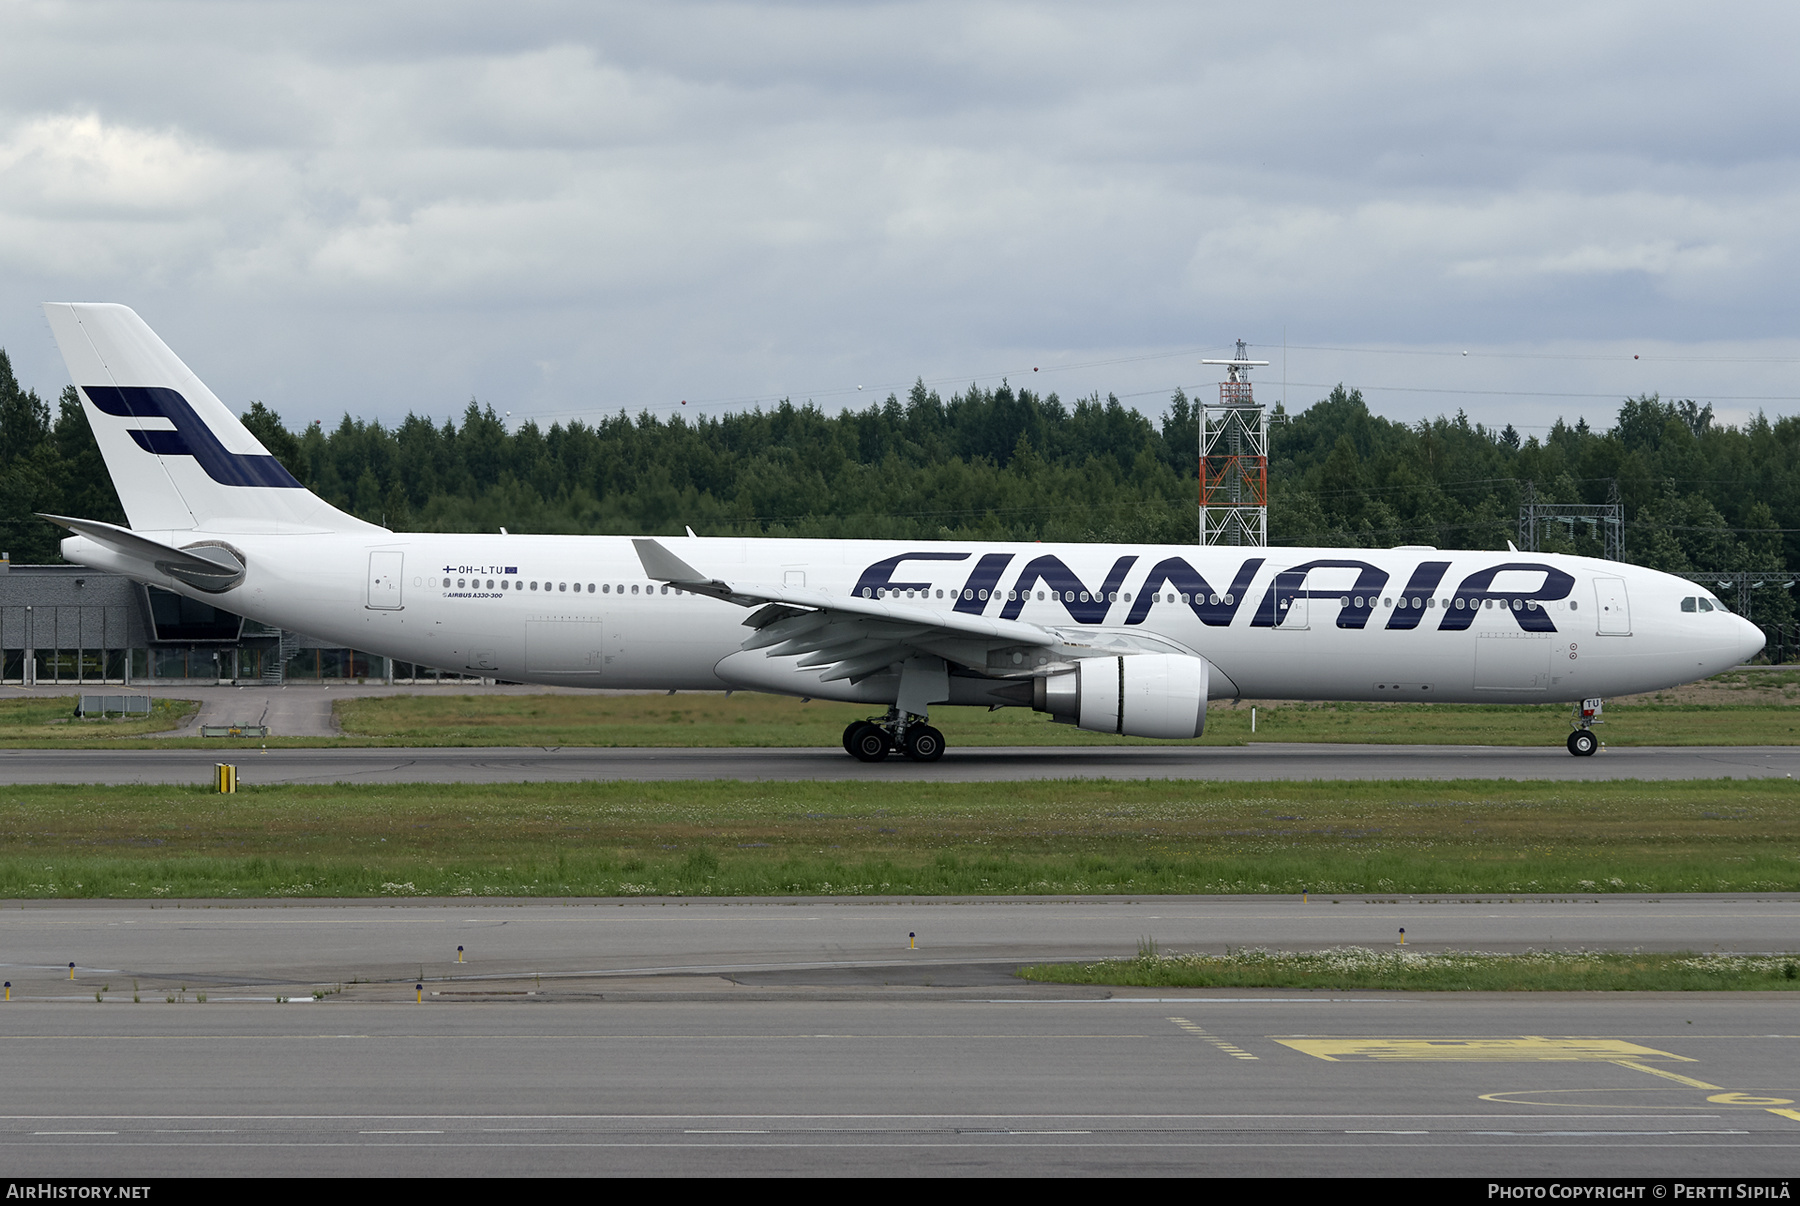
(1112, 638)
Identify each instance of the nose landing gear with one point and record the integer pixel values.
(1582, 742)
(870, 741)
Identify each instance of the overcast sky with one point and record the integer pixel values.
(572, 209)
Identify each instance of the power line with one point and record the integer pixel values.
(895, 388)
(1533, 393)
(1606, 358)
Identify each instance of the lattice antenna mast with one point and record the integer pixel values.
(1234, 460)
(1604, 521)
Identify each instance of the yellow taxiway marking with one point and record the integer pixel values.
(1720, 1094)
(1529, 1048)
(1231, 1049)
(1689, 1081)
(1525, 1049)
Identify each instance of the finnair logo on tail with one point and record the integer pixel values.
(191, 437)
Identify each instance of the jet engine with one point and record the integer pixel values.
(1138, 695)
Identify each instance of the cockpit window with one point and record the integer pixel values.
(1687, 604)
(1706, 605)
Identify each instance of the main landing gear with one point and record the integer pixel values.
(870, 741)
(1582, 742)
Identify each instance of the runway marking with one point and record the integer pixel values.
(1193, 1001)
(1722, 1096)
(1525, 1049)
(930, 1036)
(1529, 1048)
(1745, 1099)
(1231, 1049)
(1689, 1081)
(1591, 1134)
(1533, 1049)
(995, 1122)
(966, 1142)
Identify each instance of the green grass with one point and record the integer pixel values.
(1449, 971)
(37, 721)
(728, 839)
(1737, 708)
(748, 719)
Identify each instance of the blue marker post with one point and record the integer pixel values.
(1402, 935)
(912, 941)
(459, 954)
(420, 989)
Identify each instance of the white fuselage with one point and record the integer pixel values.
(1347, 624)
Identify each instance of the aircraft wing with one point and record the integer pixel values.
(858, 637)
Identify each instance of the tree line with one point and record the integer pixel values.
(995, 463)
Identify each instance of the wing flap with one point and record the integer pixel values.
(857, 636)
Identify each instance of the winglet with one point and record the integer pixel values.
(664, 566)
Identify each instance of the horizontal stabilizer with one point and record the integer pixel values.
(210, 567)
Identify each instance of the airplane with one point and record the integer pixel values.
(1125, 639)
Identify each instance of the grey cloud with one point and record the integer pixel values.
(571, 207)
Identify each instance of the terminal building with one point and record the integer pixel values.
(69, 624)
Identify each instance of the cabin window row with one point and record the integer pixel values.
(1460, 603)
(605, 588)
(1402, 603)
(886, 592)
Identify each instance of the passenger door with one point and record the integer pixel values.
(384, 581)
(1612, 607)
(1291, 607)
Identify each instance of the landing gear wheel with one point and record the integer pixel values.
(867, 743)
(850, 735)
(1583, 743)
(924, 743)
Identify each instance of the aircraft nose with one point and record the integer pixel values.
(1750, 639)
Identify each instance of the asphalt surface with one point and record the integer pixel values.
(869, 1036)
(291, 947)
(812, 1037)
(1272, 761)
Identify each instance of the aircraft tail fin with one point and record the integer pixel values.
(178, 457)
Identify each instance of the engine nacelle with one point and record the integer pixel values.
(1138, 695)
